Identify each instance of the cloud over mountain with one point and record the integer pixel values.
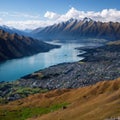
(33, 21)
(30, 24)
(51, 15)
(105, 15)
(19, 14)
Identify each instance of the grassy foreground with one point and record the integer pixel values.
(23, 113)
(95, 102)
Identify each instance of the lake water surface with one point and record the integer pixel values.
(16, 68)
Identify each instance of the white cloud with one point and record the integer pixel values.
(3, 14)
(105, 15)
(19, 15)
(1, 20)
(29, 24)
(72, 13)
(51, 15)
(33, 21)
(25, 15)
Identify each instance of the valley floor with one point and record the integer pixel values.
(102, 63)
(89, 98)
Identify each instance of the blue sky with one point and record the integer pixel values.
(14, 12)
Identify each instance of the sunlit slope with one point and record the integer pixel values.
(86, 30)
(96, 102)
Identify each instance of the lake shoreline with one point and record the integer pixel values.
(17, 68)
(100, 64)
(101, 58)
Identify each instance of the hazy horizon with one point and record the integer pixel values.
(30, 14)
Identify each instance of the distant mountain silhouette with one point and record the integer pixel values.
(14, 30)
(74, 29)
(15, 46)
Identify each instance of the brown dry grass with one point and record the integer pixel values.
(96, 102)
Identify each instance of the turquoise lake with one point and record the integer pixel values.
(16, 68)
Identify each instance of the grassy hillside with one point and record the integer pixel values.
(96, 102)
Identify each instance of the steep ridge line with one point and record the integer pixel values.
(86, 30)
(15, 46)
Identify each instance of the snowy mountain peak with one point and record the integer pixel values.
(72, 20)
(87, 19)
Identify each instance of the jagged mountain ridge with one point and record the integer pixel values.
(74, 29)
(15, 46)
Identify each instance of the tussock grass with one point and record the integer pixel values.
(26, 112)
(95, 102)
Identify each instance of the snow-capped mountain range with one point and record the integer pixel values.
(74, 29)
